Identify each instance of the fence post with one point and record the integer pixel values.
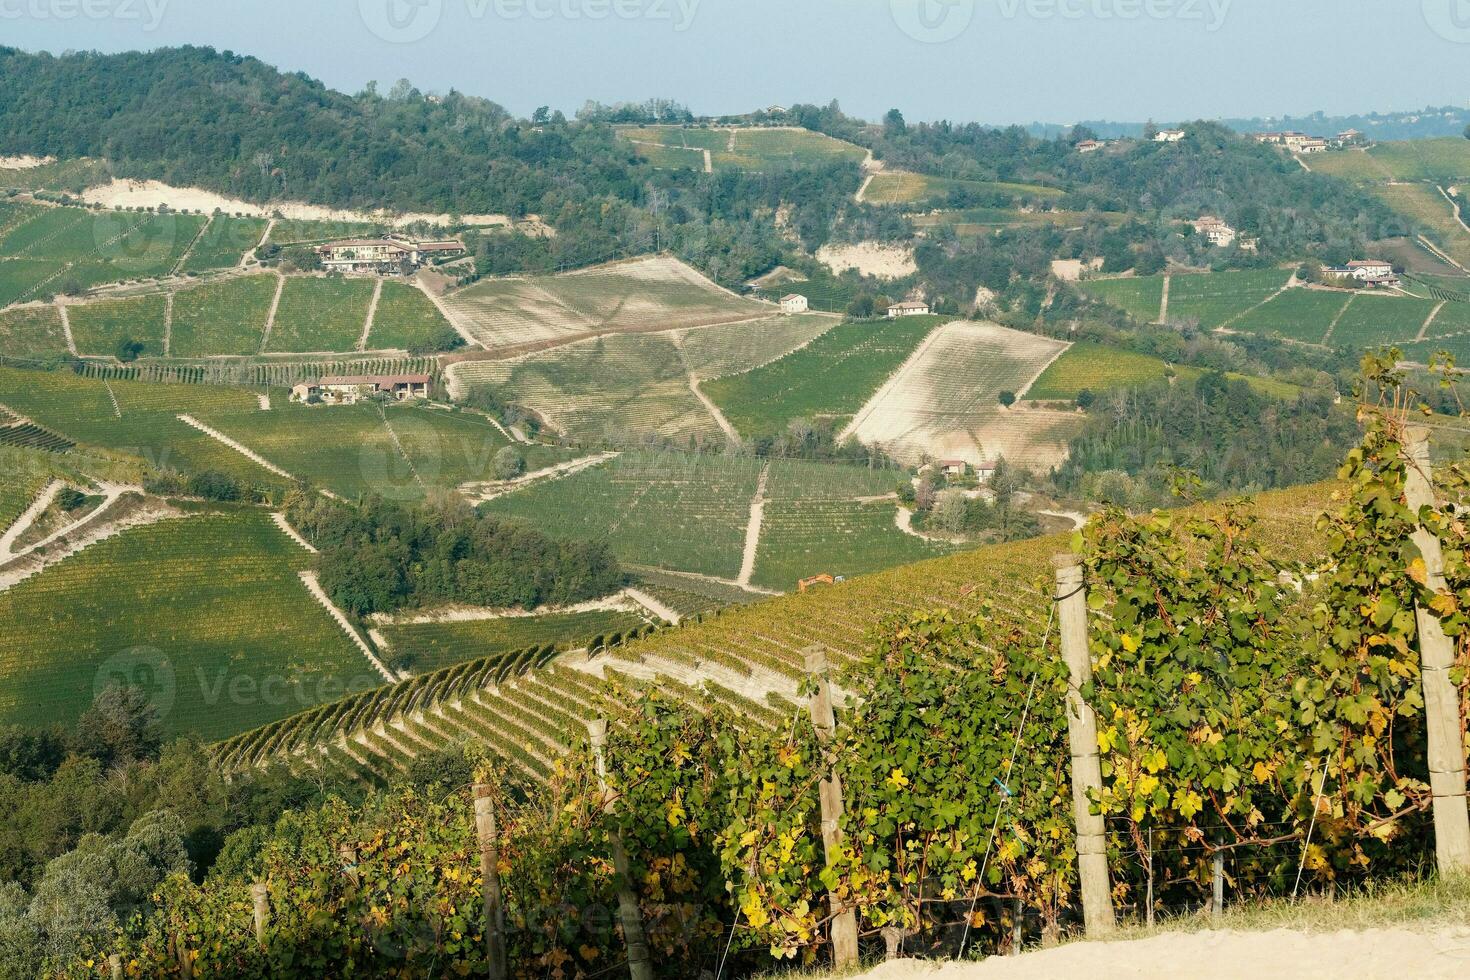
(260, 899)
(1092, 850)
(489, 837)
(640, 964)
(1436, 659)
(1217, 886)
(824, 720)
(114, 966)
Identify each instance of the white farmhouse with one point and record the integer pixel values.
(1217, 232)
(382, 255)
(351, 388)
(794, 303)
(1169, 136)
(908, 309)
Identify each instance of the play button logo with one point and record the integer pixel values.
(401, 21)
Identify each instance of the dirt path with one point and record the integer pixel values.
(265, 236)
(480, 493)
(309, 579)
(889, 384)
(1333, 325)
(1164, 300)
(28, 516)
(112, 397)
(716, 580)
(179, 265)
(291, 532)
(125, 508)
(753, 529)
(448, 314)
(862, 192)
(903, 519)
(71, 343)
(1021, 395)
(372, 314)
(667, 613)
(709, 162)
(714, 410)
(245, 451)
(1455, 205)
(617, 602)
(168, 321)
(1385, 954)
(1429, 322)
(1440, 254)
(270, 318)
(1078, 519)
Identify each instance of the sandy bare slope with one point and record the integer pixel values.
(1369, 955)
(870, 258)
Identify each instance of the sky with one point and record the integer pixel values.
(991, 61)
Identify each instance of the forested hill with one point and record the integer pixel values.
(197, 117)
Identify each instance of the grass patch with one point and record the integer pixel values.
(225, 243)
(1140, 298)
(898, 187)
(1095, 368)
(1216, 297)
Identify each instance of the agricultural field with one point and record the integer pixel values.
(431, 646)
(1095, 368)
(1140, 298)
(821, 519)
(99, 327)
(207, 611)
(320, 314)
(1297, 314)
(407, 320)
(945, 402)
(1433, 213)
(683, 512)
(1213, 299)
(824, 291)
(43, 249)
(1374, 319)
(1437, 160)
(899, 187)
(656, 293)
(751, 149)
(299, 231)
(137, 419)
(617, 387)
(832, 377)
(401, 453)
(1452, 319)
(224, 243)
(31, 331)
(71, 176)
(986, 221)
(222, 318)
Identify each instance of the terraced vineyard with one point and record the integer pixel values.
(654, 293)
(528, 712)
(750, 149)
(1433, 213)
(257, 372)
(321, 314)
(44, 248)
(31, 331)
(136, 418)
(297, 231)
(1095, 368)
(1297, 314)
(899, 187)
(667, 510)
(224, 243)
(222, 318)
(1375, 319)
(945, 402)
(100, 327)
(1439, 160)
(714, 352)
(431, 646)
(1140, 298)
(1213, 299)
(831, 377)
(207, 612)
(406, 320)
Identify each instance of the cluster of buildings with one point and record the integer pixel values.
(1373, 273)
(384, 255)
(1302, 143)
(349, 389)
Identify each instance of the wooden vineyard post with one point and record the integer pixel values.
(260, 900)
(1092, 852)
(1436, 659)
(824, 720)
(114, 966)
(640, 964)
(489, 837)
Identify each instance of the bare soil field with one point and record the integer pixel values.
(944, 403)
(639, 295)
(869, 258)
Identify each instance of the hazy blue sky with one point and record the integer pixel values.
(989, 60)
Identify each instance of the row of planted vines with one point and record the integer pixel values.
(1260, 710)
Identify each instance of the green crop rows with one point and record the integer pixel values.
(100, 327)
(831, 377)
(288, 231)
(1297, 314)
(31, 330)
(897, 187)
(1095, 368)
(207, 613)
(224, 243)
(1139, 298)
(1214, 298)
(1374, 319)
(430, 646)
(222, 318)
(321, 314)
(406, 319)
